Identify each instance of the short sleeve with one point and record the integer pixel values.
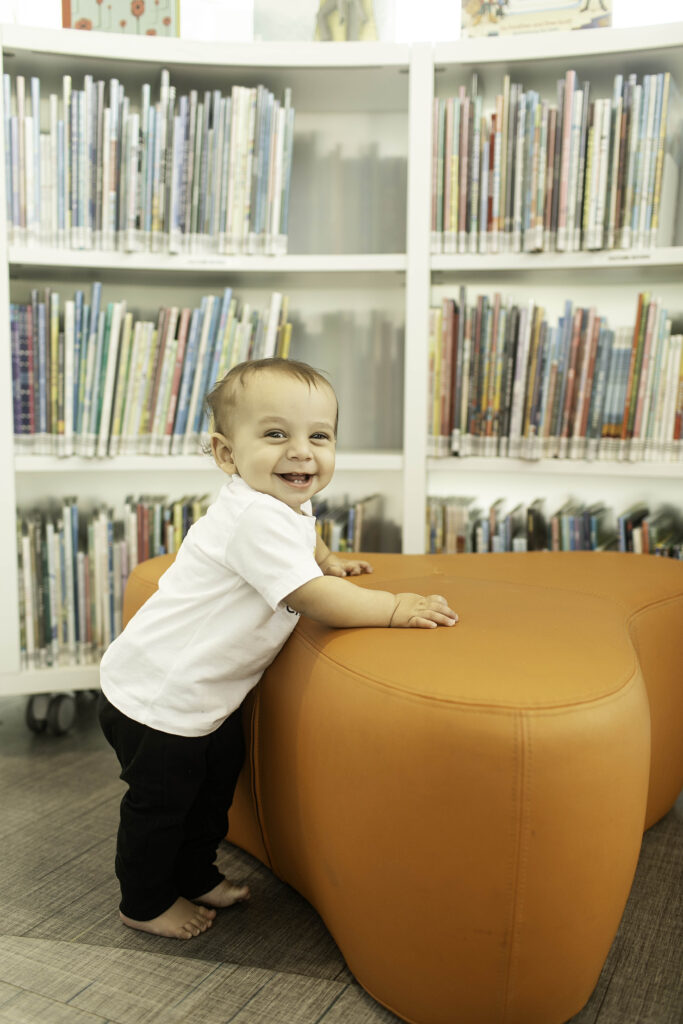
(272, 551)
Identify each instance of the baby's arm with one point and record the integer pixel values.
(333, 566)
(336, 602)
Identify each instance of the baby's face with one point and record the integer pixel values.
(283, 440)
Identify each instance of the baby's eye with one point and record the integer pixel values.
(275, 433)
(319, 436)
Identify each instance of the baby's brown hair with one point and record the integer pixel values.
(221, 400)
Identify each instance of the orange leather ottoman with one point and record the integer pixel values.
(463, 807)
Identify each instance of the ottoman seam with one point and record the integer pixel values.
(482, 705)
(255, 778)
(522, 759)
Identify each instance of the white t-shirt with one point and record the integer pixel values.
(191, 654)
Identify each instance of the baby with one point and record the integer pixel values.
(173, 682)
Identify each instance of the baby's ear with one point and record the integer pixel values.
(222, 453)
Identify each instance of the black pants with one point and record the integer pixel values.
(175, 812)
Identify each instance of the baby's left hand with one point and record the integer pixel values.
(334, 566)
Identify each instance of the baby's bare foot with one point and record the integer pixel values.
(183, 920)
(225, 894)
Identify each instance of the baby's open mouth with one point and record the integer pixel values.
(296, 478)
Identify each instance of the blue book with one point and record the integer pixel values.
(187, 378)
(74, 569)
(219, 339)
(6, 101)
(78, 323)
(35, 111)
(205, 383)
(41, 425)
(83, 361)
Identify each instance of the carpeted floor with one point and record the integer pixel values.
(66, 959)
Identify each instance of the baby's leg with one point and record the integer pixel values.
(197, 876)
(164, 774)
(183, 920)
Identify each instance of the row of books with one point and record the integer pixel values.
(95, 381)
(73, 567)
(533, 176)
(456, 525)
(178, 174)
(504, 380)
(346, 525)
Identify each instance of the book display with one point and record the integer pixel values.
(73, 569)
(176, 174)
(481, 242)
(553, 342)
(147, 197)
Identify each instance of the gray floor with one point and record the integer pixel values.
(65, 958)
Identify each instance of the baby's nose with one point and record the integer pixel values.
(299, 448)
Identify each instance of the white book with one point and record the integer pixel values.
(31, 231)
(603, 166)
(657, 361)
(118, 313)
(83, 646)
(647, 210)
(272, 325)
(45, 222)
(69, 574)
(139, 360)
(60, 586)
(29, 599)
(177, 205)
(133, 241)
(626, 240)
(671, 396)
(577, 113)
(117, 557)
(520, 172)
(87, 153)
(53, 234)
(646, 148)
(51, 625)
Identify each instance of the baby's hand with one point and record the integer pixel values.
(333, 566)
(413, 611)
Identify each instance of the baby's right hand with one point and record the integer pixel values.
(414, 611)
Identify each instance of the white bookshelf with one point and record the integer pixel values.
(610, 280)
(348, 99)
(347, 96)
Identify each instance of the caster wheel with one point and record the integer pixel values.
(61, 714)
(36, 712)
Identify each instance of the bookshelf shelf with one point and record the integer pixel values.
(545, 468)
(654, 260)
(59, 679)
(366, 462)
(23, 261)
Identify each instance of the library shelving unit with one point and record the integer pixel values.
(610, 280)
(359, 248)
(341, 273)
